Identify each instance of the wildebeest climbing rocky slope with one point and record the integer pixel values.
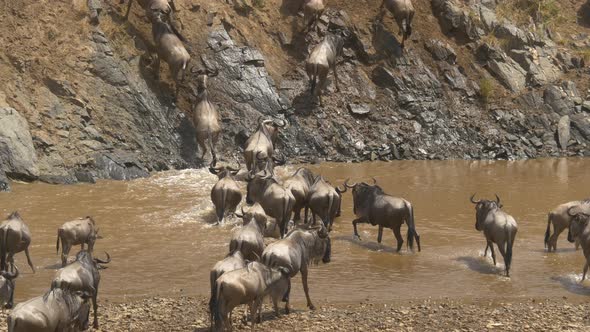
(476, 80)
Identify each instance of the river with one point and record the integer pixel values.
(161, 235)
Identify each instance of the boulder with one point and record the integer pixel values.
(581, 122)
(509, 73)
(17, 153)
(441, 51)
(563, 131)
(558, 100)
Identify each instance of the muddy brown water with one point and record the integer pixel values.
(160, 233)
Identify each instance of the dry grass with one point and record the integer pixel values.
(487, 89)
(543, 13)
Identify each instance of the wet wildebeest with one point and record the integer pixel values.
(325, 201)
(498, 227)
(170, 48)
(578, 230)
(312, 11)
(257, 212)
(225, 194)
(322, 58)
(261, 145)
(276, 201)
(249, 239)
(403, 13)
(205, 115)
(14, 238)
(301, 247)
(57, 310)
(248, 285)
(372, 205)
(561, 221)
(7, 286)
(233, 261)
(77, 232)
(81, 275)
(300, 184)
(165, 7)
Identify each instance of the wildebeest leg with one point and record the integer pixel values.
(380, 234)
(286, 297)
(585, 271)
(577, 243)
(172, 5)
(485, 252)
(95, 305)
(66, 247)
(128, 9)
(10, 302)
(10, 260)
(306, 287)
(253, 309)
(397, 231)
(354, 222)
(82, 246)
(335, 76)
(557, 229)
(491, 246)
(503, 253)
(157, 68)
(306, 214)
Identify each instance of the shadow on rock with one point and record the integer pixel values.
(480, 264)
(304, 103)
(584, 15)
(385, 42)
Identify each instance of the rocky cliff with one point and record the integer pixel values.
(484, 79)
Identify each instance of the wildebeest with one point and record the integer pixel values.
(561, 221)
(225, 194)
(372, 205)
(77, 232)
(301, 247)
(403, 13)
(578, 229)
(249, 239)
(276, 201)
(322, 58)
(325, 201)
(7, 285)
(248, 285)
(233, 261)
(57, 310)
(205, 115)
(261, 145)
(170, 48)
(312, 11)
(81, 275)
(257, 212)
(498, 227)
(300, 184)
(14, 238)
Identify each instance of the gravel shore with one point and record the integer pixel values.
(190, 314)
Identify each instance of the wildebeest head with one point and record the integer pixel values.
(7, 286)
(578, 223)
(223, 171)
(482, 208)
(325, 237)
(270, 128)
(249, 216)
(363, 194)
(202, 77)
(85, 257)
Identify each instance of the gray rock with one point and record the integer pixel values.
(559, 101)
(563, 132)
(359, 109)
(120, 165)
(509, 73)
(581, 122)
(586, 105)
(441, 51)
(18, 158)
(4, 182)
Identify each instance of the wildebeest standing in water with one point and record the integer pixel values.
(14, 238)
(57, 310)
(498, 227)
(170, 48)
(249, 239)
(303, 246)
(578, 230)
(233, 261)
(248, 285)
(276, 201)
(225, 194)
(560, 219)
(403, 13)
(81, 275)
(322, 58)
(7, 285)
(260, 147)
(372, 205)
(77, 232)
(205, 115)
(325, 201)
(300, 185)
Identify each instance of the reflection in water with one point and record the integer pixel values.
(161, 235)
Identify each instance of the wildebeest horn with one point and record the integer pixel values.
(348, 185)
(282, 124)
(235, 169)
(104, 262)
(374, 181)
(267, 121)
(280, 161)
(569, 213)
(341, 191)
(497, 199)
(238, 215)
(199, 70)
(258, 157)
(11, 275)
(213, 169)
(473, 201)
(267, 174)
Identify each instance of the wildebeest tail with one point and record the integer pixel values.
(409, 19)
(210, 137)
(11, 324)
(3, 248)
(548, 231)
(313, 77)
(328, 222)
(412, 234)
(212, 301)
(59, 232)
(509, 244)
(217, 315)
(221, 211)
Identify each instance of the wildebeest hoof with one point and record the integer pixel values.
(356, 237)
(312, 307)
(8, 306)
